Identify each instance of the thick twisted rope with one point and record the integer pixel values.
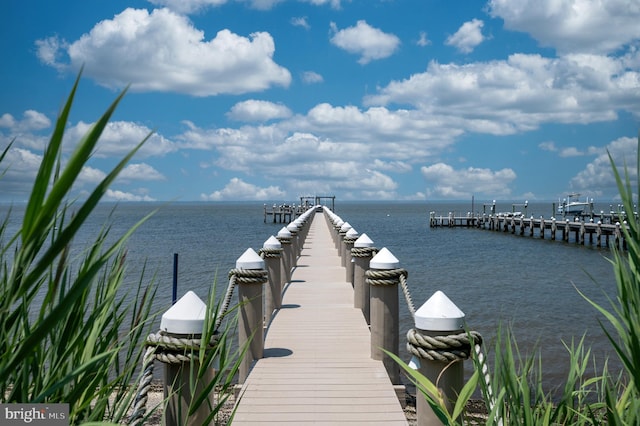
(270, 252)
(454, 347)
(392, 277)
(363, 251)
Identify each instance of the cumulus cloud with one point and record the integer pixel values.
(597, 174)
(31, 121)
(468, 36)
(162, 51)
(446, 182)
(572, 25)
(364, 40)
(520, 93)
(120, 137)
(117, 195)
(140, 171)
(260, 111)
(237, 190)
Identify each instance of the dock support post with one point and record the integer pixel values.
(342, 233)
(439, 320)
(293, 229)
(363, 250)
(250, 275)
(349, 240)
(271, 252)
(383, 278)
(185, 319)
(284, 236)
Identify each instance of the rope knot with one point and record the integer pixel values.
(454, 347)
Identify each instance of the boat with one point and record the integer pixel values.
(573, 205)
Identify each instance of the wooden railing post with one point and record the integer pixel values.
(185, 319)
(250, 275)
(342, 234)
(349, 240)
(385, 317)
(362, 253)
(272, 254)
(439, 317)
(284, 236)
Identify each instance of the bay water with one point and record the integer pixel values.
(497, 279)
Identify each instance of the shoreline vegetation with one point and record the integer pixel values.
(71, 348)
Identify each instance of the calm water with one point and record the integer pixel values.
(494, 277)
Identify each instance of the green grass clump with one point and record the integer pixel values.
(70, 330)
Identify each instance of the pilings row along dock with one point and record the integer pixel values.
(581, 232)
(318, 324)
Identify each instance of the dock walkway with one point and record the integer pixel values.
(317, 366)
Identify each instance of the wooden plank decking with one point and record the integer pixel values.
(317, 367)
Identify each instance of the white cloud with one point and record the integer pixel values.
(447, 182)
(300, 22)
(31, 121)
(423, 40)
(468, 36)
(237, 190)
(571, 151)
(120, 137)
(598, 174)
(601, 26)
(256, 110)
(140, 171)
(116, 195)
(364, 40)
(548, 146)
(311, 77)
(162, 51)
(520, 93)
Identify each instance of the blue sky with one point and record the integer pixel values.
(364, 99)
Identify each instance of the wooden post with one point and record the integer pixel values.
(349, 240)
(185, 319)
(293, 229)
(439, 316)
(341, 234)
(250, 319)
(272, 253)
(362, 253)
(284, 236)
(385, 322)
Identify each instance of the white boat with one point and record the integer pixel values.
(573, 205)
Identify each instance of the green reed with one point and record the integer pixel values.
(70, 331)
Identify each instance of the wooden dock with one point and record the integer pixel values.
(317, 366)
(579, 231)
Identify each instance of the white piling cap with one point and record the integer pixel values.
(272, 243)
(292, 227)
(339, 222)
(352, 233)
(384, 260)
(284, 233)
(363, 241)
(250, 260)
(345, 227)
(439, 313)
(186, 316)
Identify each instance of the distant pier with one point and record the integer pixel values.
(286, 213)
(597, 230)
